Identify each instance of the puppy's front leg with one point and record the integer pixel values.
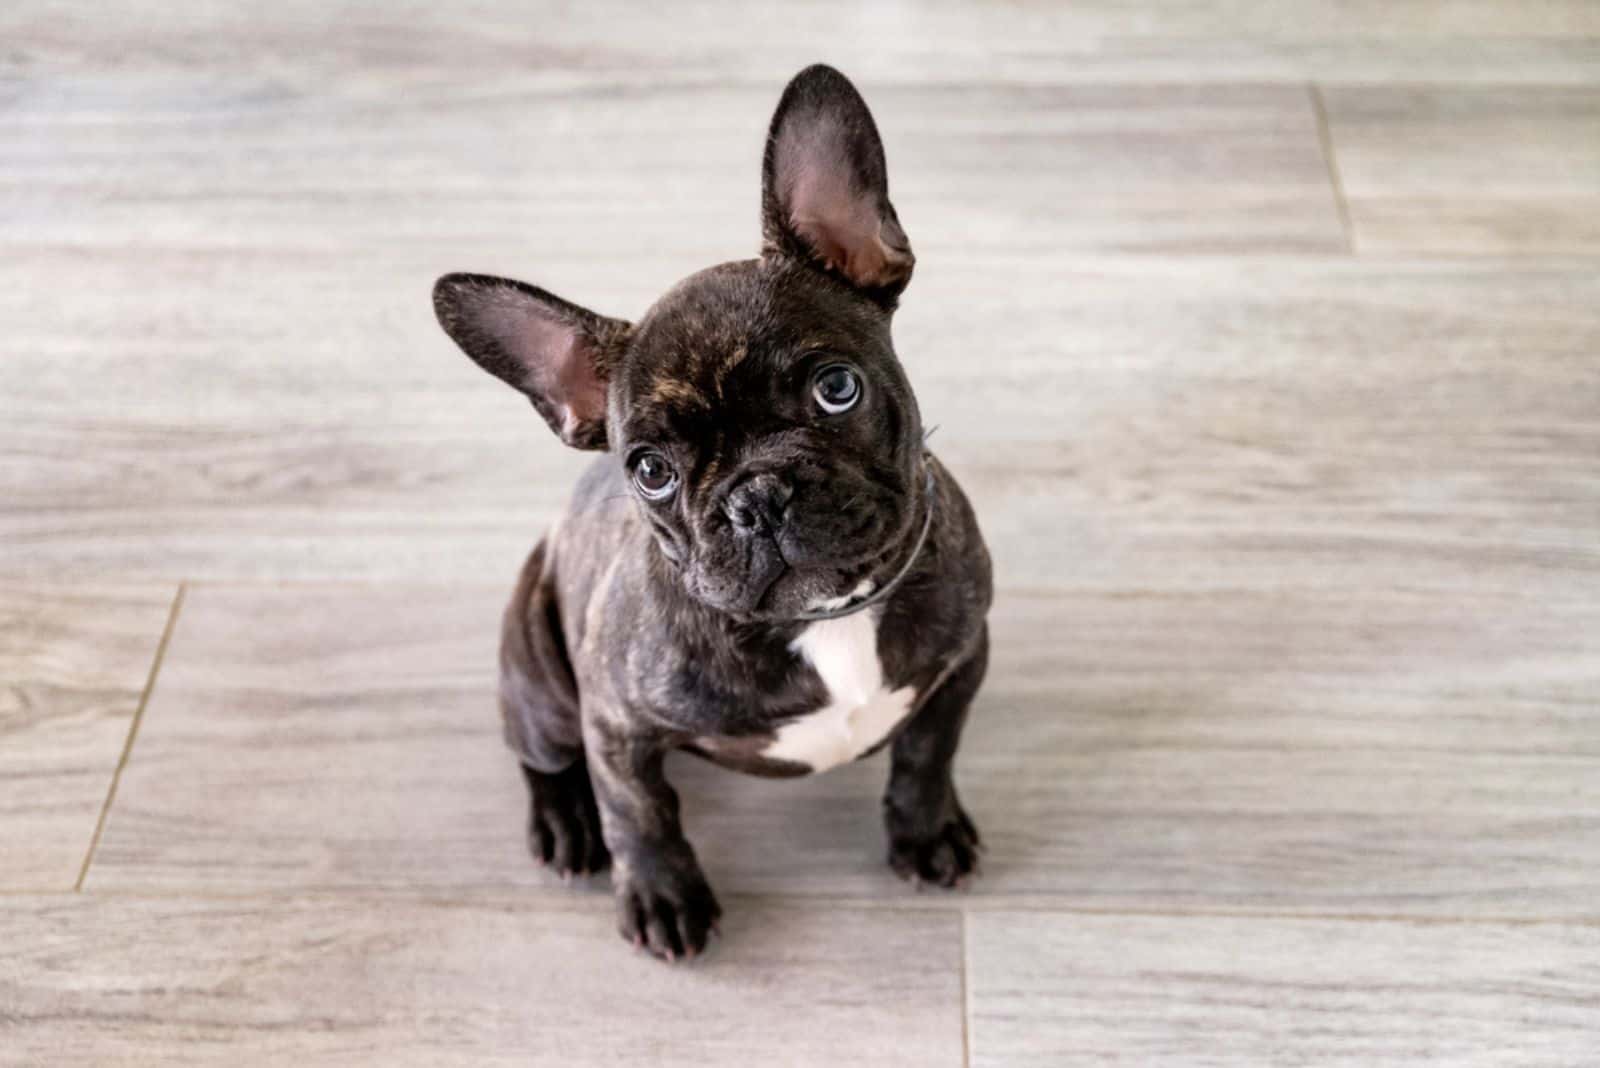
(931, 838)
(664, 903)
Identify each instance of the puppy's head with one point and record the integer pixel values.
(764, 424)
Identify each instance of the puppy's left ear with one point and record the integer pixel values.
(825, 188)
(558, 354)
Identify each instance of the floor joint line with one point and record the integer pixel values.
(966, 999)
(133, 733)
(1341, 203)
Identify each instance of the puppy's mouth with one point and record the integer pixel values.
(762, 590)
(776, 590)
(813, 566)
(793, 594)
(814, 594)
(845, 602)
(831, 586)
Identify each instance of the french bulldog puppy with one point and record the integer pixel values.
(766, 568)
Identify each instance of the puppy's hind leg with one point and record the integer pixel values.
(539, 706)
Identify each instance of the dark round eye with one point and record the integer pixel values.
(654, 476)
(837, 389)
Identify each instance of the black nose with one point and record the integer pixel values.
(759, 503)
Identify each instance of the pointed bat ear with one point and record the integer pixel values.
(559, 354)
(825, 187)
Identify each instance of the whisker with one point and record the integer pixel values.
(593, 505)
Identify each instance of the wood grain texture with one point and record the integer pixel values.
(1474, 170)
(1050, 989)
(73, 663)
(93, 981)
(596, 173)
(1371, 753)
(1168, 423)
(278, 707)
(422, 46)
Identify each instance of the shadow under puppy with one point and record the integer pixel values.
(794, 583)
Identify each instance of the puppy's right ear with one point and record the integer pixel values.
(559, 354)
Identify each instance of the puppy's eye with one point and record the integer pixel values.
(837, 389)
(654, 476)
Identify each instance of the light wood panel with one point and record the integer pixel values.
(1370, 753)
(157, 981)
(308, 738)
(73, 662)
(1363, 752)
(1174, 40)
(1470, 170)
(1123, 423)
(597, 175)
(1050, 989)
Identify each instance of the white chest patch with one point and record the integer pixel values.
(860, 711)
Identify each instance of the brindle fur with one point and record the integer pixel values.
(638, 628)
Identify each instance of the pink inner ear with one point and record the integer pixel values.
(578, 385)
(842, 224)
(556, 358)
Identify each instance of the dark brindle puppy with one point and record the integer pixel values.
(795, 581)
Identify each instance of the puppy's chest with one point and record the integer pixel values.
(859, 709)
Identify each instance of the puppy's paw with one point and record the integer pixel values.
(948, 857)
(670, 914)
(564, 822)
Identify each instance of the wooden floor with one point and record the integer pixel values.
(1265, 337)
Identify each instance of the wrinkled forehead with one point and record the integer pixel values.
(724, 336)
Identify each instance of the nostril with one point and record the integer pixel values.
(742, 517)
